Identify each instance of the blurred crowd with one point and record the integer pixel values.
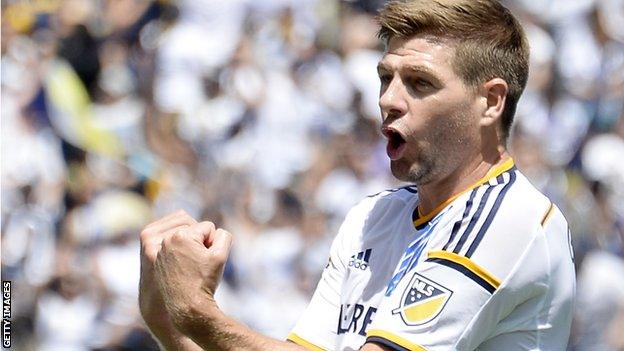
(262, 117)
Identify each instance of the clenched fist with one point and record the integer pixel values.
(182, 263)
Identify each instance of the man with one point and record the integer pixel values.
(472, 257)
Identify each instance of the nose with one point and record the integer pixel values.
(392, 100)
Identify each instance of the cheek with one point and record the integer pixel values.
(446, 130)
(445, 115)
(456, 135)
(426, 120)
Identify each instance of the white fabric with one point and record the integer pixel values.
(531, 309)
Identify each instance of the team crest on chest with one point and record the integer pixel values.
(422, 301)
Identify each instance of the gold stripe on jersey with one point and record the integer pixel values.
(493, 173)
(551, 210)
(468, 264)
(395, 339)
(302, 342)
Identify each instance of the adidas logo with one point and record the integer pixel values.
(360, 260)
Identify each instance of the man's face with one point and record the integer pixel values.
(429, 115)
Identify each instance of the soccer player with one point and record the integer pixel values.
(471, 257)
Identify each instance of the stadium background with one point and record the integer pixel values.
(262, 117)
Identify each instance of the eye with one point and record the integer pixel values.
(421, 85)
(385, 78)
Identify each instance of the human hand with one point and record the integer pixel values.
(188, 269)
(151, 303)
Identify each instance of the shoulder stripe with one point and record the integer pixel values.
(490, 216)
(410, 188)
(549, 212)
(475, 218)
(495, 172)
(394, 342)
(458, 224)
(302, 342)
(467, 267)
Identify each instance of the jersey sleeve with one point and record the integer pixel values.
(433, 305)
(316, 329)
(318, 326)
(453, 301)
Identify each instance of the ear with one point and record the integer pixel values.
(494, 93)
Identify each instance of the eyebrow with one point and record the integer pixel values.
(433, 77)
(381, 67)
(422, 69)
(412, 68)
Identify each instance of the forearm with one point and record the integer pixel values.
(211, 329)
(169, 338)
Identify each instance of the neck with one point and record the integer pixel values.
(433, 194)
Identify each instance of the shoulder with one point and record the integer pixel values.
(521, 212)
(379, 204)
(403, 193)
(380, 210)
(516, 234)
(377, 208)
(503, 227)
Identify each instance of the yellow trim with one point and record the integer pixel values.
(494, 172)
(395, 339)
(468, 264)
(551, 210)
(302, 342)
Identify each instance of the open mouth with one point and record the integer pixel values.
(396, 143)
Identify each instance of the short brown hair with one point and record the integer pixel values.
(490, 42)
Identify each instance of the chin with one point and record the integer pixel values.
(411, 173)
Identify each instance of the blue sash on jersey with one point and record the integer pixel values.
(413, 252)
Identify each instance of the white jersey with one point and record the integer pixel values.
(489, 269)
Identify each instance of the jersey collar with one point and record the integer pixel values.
(420, 219)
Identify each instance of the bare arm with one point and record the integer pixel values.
(182, 264)
(210, 328)
(151, 303)
(172, 339)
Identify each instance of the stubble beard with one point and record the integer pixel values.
(419, 172)
(438, 154)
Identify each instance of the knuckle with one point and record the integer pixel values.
(151, 250)
(177, 236)
(225, 234)
(145, 234)
(211, 226)
(190, 220)
(149, 243)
